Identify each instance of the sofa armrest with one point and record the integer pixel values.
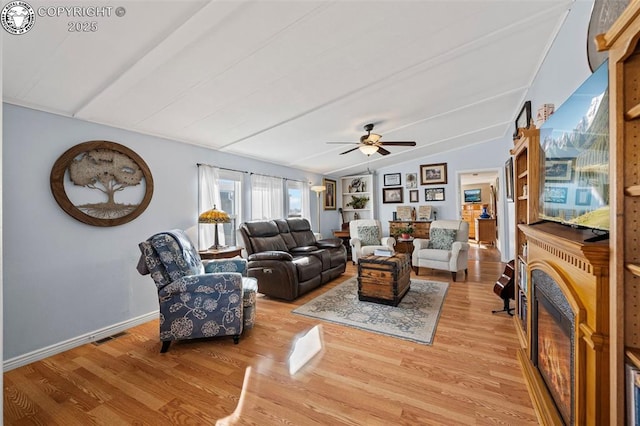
(459, 246)
(303, 249)
(420, 243)
(236, 264)
(388, 241)
(329, 243)
(205, 283)
(271, 255)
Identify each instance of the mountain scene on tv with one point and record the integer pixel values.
(575, 146)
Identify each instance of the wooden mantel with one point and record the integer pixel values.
(581, 270)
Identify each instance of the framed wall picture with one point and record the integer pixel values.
(101, 183)
(523, 120)
(392, 195)
(558, 169)
(392, 179)
(413, 196)
(329, 194)
(508, 176)
(411, 180)
(431, 174)
(555, 194)
(434, 194)
(583, 196)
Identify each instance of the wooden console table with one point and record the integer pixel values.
(420, 227)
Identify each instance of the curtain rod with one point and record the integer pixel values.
(218, 167)
(251, 173)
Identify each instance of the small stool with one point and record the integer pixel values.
(249, 292)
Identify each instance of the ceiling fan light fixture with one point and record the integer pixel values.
(373, 137)
(369, 149)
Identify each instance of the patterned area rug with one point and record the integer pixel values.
(415, 318)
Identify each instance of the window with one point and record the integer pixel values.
(294, 199)
(222, 189)
(267, 197)
(230, 185)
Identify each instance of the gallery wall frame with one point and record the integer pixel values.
(414, 196)
(434, 194)
(433, 174)
(392, 195)
(329, 194)
(411, 180)
(583, 196)
(508, 176)
(392, 179)
(558, 169)
(98, 169)
(555, 194)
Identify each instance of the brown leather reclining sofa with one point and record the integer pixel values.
(286, 258)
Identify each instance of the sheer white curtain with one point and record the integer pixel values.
(267, 197)
(209, 178)
(306, 204)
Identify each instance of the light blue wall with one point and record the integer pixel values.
(63, 278)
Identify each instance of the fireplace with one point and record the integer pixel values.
(553, 346)
(565, 352)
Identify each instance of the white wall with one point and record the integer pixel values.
(64, 279)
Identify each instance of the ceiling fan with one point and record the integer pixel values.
(370, 143)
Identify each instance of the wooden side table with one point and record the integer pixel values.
(404, 245)
(345, 236)
(223, 253)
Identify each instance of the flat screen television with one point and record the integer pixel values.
(575, 151)
(472, 196)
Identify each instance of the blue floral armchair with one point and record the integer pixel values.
(196, 301)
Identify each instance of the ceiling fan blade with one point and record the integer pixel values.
(398, 143)
(348, 151)
(344, 143)
(383, 151)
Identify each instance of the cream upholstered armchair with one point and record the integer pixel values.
(447, 247)
(366, 237)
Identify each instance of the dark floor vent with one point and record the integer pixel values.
(109, 338)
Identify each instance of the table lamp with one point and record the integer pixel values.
(216, 217)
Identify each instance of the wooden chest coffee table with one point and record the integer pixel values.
(383, 279)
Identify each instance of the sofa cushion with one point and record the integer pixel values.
(434, 255)
(301, 231)
(441, 238)
(285, 232)
(369, 235)
(307, 267)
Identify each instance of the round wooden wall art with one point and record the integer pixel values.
(101, 183)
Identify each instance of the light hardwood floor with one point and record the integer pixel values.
(469, 375)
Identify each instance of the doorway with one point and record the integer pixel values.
(482, 187)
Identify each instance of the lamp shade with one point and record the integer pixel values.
(369, 149)
(318, 188)
(214, 216)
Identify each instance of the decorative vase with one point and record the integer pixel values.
(485, 213)
(405, 236)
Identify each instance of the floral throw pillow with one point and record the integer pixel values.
(442, 238)
(369, 235)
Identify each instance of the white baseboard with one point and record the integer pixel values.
(48, 351)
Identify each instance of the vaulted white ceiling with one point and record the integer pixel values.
(276, 80)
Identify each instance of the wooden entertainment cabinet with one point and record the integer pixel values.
(623, 46)
(601, 280)
(580, 271)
